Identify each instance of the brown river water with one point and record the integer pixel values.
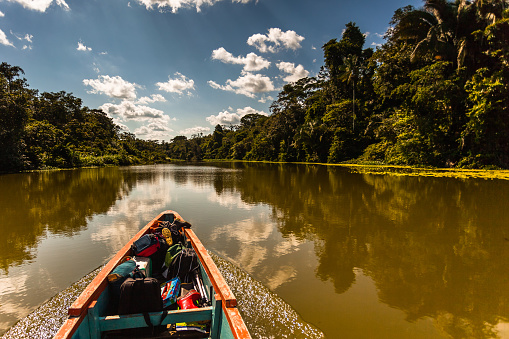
(310, 251)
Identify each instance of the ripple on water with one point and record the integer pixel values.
(45, 321)
(265, 314)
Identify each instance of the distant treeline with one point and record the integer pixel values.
(435, 93)
(54, 130)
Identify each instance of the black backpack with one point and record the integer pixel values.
(184, 264)
(140, 295)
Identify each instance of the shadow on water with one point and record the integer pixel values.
(60, 202)
(435, 248)
(263, 311)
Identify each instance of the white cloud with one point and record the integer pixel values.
(128, 110)
(41, 5)
(178, 85)
(114, 87)
(251, 62)
(82, 47)
(194, 130)
(247, 84)
(296, 73)
(4, 40)
(119, 123)
(154, 130)
(229, 117)
(265, 98)
(175, 5)
(151, 99)
(2, 14)
(27, 37)
(275, 40)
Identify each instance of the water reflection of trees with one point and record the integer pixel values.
(60, 202)
(436, 247)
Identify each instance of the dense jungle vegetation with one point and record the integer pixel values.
(435, 93)
(55, 130)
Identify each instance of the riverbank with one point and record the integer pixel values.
(487, 174)
(357, 168)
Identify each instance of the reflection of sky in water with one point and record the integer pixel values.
(295, 267)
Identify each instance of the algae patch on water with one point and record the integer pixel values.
(429, 172)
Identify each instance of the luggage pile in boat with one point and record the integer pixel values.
(163, 274)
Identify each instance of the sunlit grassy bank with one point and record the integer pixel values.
(430, 172)
(404, 170)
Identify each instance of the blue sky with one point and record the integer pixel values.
(162, 68)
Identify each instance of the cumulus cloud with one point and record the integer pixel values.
(251, 62)
(41, 5)
(82, 47)
(4, 40)
(229, 117)
(175, 5)
(295, 72)
(180, 84)
(154, 130)
(2, 14)
(247, 84)
(265, 98)
(114, 87)
(153, 98)
(194, 130)
(119, 123)
(128, 110)
(275, 40)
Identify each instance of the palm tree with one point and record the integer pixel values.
(350, 73)
(446, 29)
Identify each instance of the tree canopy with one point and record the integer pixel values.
(435, 94)
(48, 130)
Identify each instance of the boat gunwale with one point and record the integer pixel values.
(79, 308)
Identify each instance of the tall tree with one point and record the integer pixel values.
(15, 108)
(350, 74)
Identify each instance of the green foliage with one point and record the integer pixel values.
(54, 130)
(434, 94)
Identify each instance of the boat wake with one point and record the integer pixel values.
(45, 321)
(265, 314)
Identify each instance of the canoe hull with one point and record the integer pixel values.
(88, 317)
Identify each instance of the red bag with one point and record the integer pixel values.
(146, 245)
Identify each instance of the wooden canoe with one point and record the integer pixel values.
(88, 318)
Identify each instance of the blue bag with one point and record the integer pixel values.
(170, 291)
(146, 245)
(116, 278)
